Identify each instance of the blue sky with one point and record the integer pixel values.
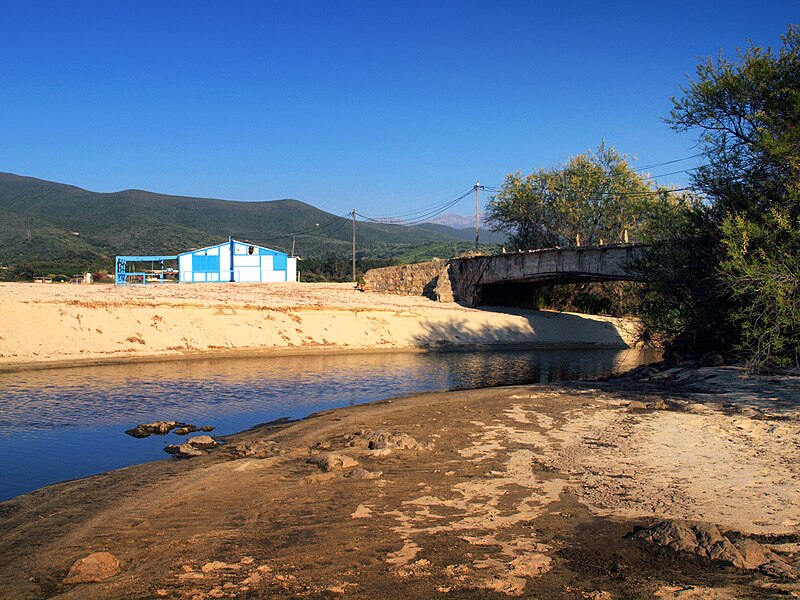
(379, 106)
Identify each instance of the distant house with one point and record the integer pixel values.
(231, 261)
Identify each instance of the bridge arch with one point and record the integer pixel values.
(480, 279)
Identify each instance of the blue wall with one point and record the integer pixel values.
(202, 263)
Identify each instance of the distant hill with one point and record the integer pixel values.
(62, 228)
(455, 220)
(467, 234)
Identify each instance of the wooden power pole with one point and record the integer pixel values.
(354, 245)
(477, 209)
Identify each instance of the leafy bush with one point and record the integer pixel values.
(761, 268)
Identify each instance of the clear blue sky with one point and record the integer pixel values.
(374, 105)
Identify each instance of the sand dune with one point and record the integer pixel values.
(52, 324)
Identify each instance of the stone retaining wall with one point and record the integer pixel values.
(419, 279)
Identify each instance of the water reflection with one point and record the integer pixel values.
(67, 423)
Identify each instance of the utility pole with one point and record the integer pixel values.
(477, 208)
(354, 245)
(293, 237)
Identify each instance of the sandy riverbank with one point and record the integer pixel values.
(527, 491)
(50, 325)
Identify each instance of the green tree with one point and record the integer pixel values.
(747, 113)
(684, 303)
(595, 196)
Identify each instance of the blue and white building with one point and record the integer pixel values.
(236, 261)
(231, 261)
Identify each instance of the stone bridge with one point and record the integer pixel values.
(507, 279)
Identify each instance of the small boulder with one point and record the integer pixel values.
(751, 554)
(711, 359)
(95, 567)
(641, 372)
(218, 565)
(635, 405)
(207, 428)
(683, 536)
(332, 461)
(183, 450)
(201, 441)
(779, 570)
(706, 540)
(185, 430)
(699, 409)
(667, 375)
(254, 449)
(364, 474)
(138, 432)
(384, 440)
(143, 430)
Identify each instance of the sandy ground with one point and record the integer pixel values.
(528, 491)
(59, 324)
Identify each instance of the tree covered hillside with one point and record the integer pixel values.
(53, 227)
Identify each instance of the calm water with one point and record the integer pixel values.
(68, 423)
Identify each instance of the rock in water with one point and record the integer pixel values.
(185, 430)
(95, 567)
(138, 432)
(142, 430)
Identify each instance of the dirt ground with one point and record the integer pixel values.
(528, 491)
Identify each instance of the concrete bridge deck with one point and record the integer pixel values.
(505, 277)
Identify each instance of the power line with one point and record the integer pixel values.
(668, 162)
(415, 213)
(671, 173)
(303, 232)
(419, 217)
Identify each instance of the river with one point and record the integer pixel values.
(67, 423)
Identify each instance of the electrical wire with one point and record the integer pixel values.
(415, 213)
(418, 217)
(668, 162)
(330, 223)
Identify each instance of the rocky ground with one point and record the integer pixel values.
(673, 484)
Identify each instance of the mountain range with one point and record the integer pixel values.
(54, 227)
